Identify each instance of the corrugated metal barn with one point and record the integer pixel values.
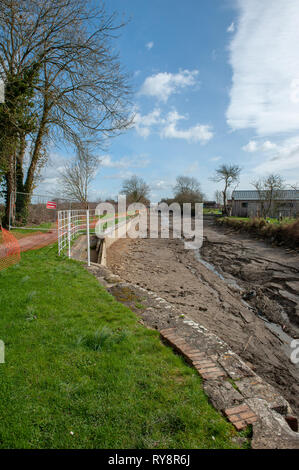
(249, 203)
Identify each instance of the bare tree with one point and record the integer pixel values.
(77, 175)
(269, 190)
(136, 190)
(219, 197)
(187, 189)
(229, 174)
(76, 91)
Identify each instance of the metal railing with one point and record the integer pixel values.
(71, 224)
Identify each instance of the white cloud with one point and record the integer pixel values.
(119, 176)
(231, 28)
(282, 158)
(215, 159)
(49, 182)
(198, 133)
(167, 127)
(144, 123)
(139, 161)
(265, 61)
(250, 147)
(268, 145)
(164, 84)
(160, 185)
(173, 116)
(149, 45)
(191, 169)
(254, 146)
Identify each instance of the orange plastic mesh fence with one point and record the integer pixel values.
(9, 249)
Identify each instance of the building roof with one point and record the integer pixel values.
(252, 195)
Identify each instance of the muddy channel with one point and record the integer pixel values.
(242, 289)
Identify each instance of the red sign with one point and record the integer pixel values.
(51, 205)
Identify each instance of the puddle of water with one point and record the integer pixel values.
(283, 336)
(230, 282)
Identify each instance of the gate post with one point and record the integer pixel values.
(88, 239)
(58, 231)
(69, 231)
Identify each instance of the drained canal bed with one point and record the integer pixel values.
(175, 274)
(286, 340)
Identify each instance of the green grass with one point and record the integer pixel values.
(206, 210)
(233, 217)
(81, 372)
(284, 220)
(271, 220)
(35, 228)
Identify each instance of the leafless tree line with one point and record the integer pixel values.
(63, 82)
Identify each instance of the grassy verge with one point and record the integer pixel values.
(284, 221)
(285, 232)
(208, 211)
(81, 372)
(35, 228)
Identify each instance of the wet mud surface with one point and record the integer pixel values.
(240, 289)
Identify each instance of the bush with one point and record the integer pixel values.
(281, 233)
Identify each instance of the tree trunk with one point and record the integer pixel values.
(225, 200)
(23, 206)
(20, 177)
(9, 182)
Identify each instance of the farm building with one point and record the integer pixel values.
(251, 203)
(210, 205)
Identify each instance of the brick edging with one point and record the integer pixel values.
(240, 416)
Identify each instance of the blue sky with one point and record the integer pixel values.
(214, 82)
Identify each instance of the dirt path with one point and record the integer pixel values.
(177, 275)
(32, 242)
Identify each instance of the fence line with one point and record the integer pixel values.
(9, 249)
(37, 210)
(73, 223)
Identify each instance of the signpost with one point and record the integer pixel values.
(51, 205)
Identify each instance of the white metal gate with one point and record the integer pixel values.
(71, 224)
